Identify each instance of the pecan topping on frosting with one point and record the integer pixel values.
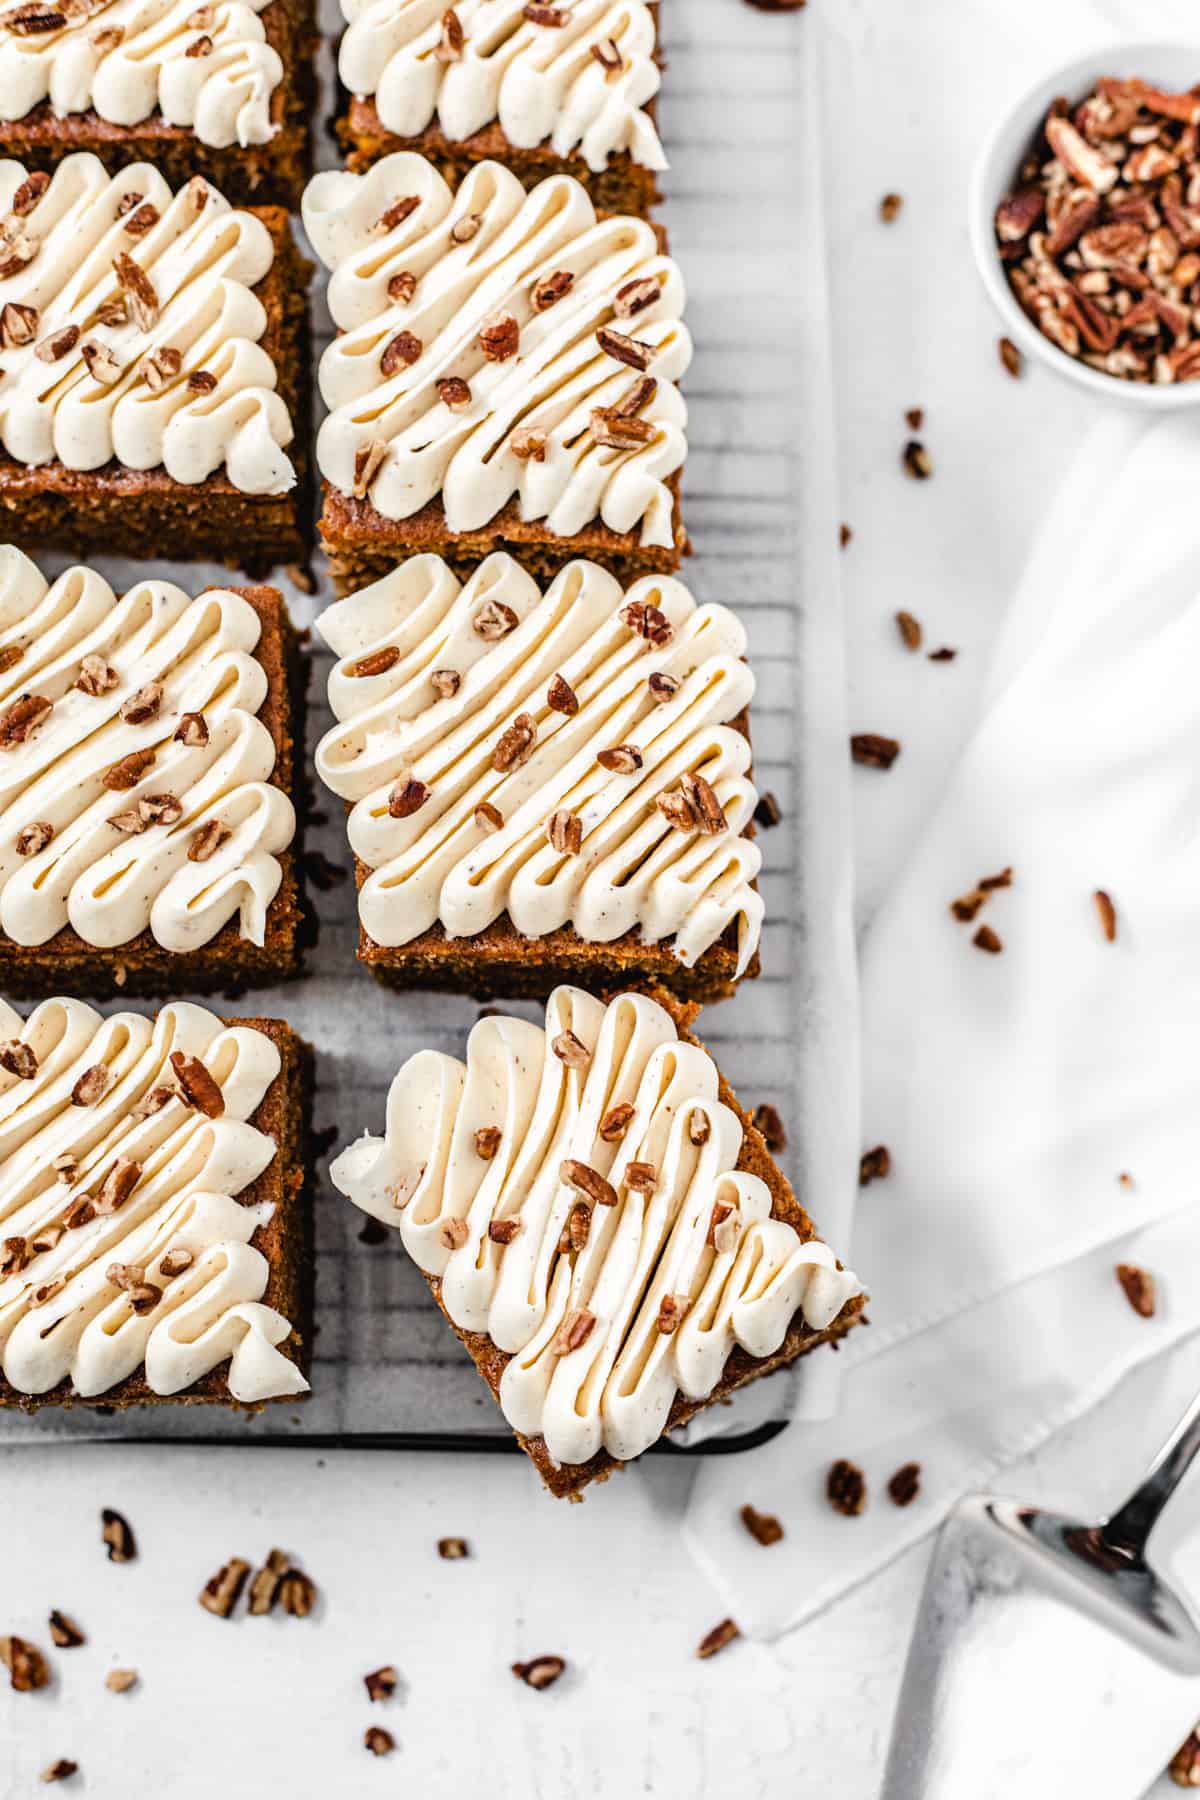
(618, 430)
(398, 211)
(565, 831)
(561, 697)
(196, 1084)
(192, 730)
(516, 744)
(139, 290)
(18, 324)
(449, 46)
(548, 292)
(92, 1086)
(400, 353)
(19, 721)
(570, 1050)
(32, 839)
(624, 349)
(635, 296)
(586, 1180)
(407, 797)
(143, 706)
(499, 337)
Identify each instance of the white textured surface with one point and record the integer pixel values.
(251, 1708)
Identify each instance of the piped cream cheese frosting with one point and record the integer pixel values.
(574, 1189)
(129, 330)
(135, 790)
(206, 67)
(577, 80)
(498, 344)
(122, 1243)
(566, 758)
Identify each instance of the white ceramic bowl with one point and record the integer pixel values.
(1167, 65)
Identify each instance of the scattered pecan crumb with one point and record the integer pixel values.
(890, 208)
(265, 1584)
(119, 1681)
(768, 811)
(767, 1119)
(846, 1488)
(917, 461)
(914, 418)
(1010, 357)
(297, 1594)
(987, 939)
(1107, 913)
(378, 1741)
(117, 1536)
(845, 535)
(453, 1549)
(540, 1671)
(717, 1639)
(62, 1770)
(764, 1528)
(989, 883)
(1124, 1179)
(905, 1484)
(945, 654)
(874, 751)
(909, 629)
(1138, 1287)
(874, 1165)
(221, 1592)
(65, 1632)
(381, 1683)
(27, 1667)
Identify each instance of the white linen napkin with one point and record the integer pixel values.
(1013, 1090)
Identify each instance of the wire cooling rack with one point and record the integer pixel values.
(742, 208)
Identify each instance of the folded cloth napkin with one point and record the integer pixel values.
(1038, 1103)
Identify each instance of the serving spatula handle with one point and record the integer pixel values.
(1130, 1526)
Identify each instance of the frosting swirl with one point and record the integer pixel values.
(609, 1302)
(206, 67)
(129, 329)
(423, 698)
(580, 87)
(192, 834)
(492, 377)
(103, 1272)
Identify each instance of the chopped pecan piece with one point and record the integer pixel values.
(10, 656)
(671, 1310)
(138, 290)
(1107, 914)
(119, 1681)
(367, 463)
(222, 1591)
(615, 1123)
(192, 730)
(846, 1488)
(175, 1262)
(565, 831)
(401, 287)
(528, 445)
(764, 1528)
(624, 349)
(608, 56)
(143, 706)
(14, 1254)
(202, 381)
(767, 1120)
(620, 759)
(540, 1671)
(503, 1231)
(662, 687)
(32, 839)
(515, 744)
(400, 352)
(1010, 357)
(917, 461)
(398, 211)
(767, 811)
(703, 804)
(488, 817)
(206, 840)
(909, 629)
(19, 721)
(200, 46)
(128, 772)
(642, 1177)
(874, 751)
(29, 193)
(27, 1668)
(18, 324)
(19, 1059)
(466, 228)
(548, 292)
(266, 1582)
(493, 621)
(561, 697)
(453, 392)
(297, 1594)
(407, 797)
(56, 346)
(586, 1180)
(453, 1549)
(1138, 1288)
(445, 683)
(568, 1049)
(160, 367)
(118, 1184)
(635, 296)
(718, 1638)
(378, 1741)
(196, 1085)
(578, 1228)
(92, 1086)
(117, 1536)
(648, 622)
(553, 16)
(61, 1769)
(454, 1234)
(65, 1632)
(499, 337)
(874, 1165)
(987, 939)
(675, 810)
(487, 1142)
(142, 220)
(96, 676)
(904, 1486)
(449, 47)
(102, 365)
(574, 1332)
(616, 430)
(381, 1683)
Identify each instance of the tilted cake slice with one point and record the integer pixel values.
(545, 786)
(506, 377)
(146, 765)
(151, 361)
(154, 1235)
(567, 89)
(600, 1223)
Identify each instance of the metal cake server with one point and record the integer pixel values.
(1048, 1660)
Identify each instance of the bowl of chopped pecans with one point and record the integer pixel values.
(1085, 223)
